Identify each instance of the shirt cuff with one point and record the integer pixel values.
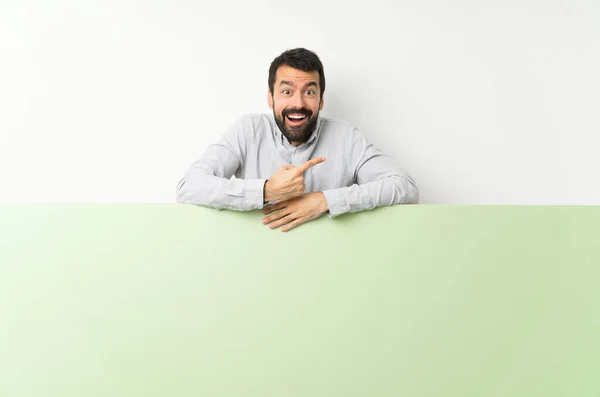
(254, 194)
(336, 202)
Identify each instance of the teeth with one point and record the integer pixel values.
(296, 117)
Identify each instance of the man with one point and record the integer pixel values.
(308, 165)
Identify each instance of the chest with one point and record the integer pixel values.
(334, 172)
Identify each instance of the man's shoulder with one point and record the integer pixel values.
(255, 120)
(251, 126)
(337, 126)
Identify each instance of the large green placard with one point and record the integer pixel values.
(177, 300)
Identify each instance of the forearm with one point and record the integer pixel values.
(212, 191)
(386, 191)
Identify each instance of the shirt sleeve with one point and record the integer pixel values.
(379, 180)
(207, 182)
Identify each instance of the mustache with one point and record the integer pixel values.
(303, 111)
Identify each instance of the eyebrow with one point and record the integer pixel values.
(309, 84)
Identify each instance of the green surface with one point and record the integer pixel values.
(177, 300)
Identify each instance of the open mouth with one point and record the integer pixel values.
(296, 118)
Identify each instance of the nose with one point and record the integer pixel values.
(298, 100)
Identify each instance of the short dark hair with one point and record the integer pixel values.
(301, 59)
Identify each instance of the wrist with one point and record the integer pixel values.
(267, 195)
(324, 204)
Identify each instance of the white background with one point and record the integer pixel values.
(483, 102)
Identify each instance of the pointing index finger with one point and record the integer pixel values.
(310, 163)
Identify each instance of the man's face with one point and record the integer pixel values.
(296, 101)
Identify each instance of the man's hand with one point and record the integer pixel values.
(295, 211)
(288, 181)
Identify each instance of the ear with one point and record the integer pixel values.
(270, 98)
(321, 103)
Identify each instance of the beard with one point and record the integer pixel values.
(299, 133)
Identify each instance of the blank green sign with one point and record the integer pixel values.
(415, 301)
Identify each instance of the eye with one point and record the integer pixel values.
(286, 92)
(310, 92)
